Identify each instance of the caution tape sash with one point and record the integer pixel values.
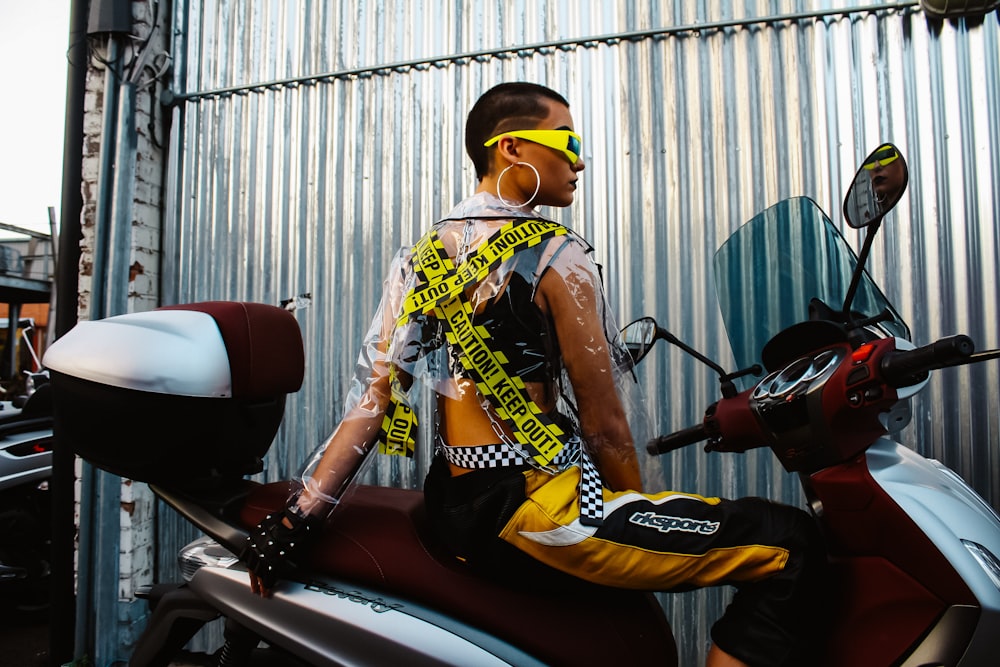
(441, 290)
(442, 281)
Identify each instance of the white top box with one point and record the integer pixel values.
(177, 352)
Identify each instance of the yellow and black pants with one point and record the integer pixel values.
(658, 542)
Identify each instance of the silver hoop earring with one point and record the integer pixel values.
(538, 185)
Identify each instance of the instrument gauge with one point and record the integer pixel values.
(760, 392)
(796, 375)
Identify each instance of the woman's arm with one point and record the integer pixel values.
(575, 303)
(347, 447)
(279, 537)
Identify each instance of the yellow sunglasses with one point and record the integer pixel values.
(565, 141)
(883, 156)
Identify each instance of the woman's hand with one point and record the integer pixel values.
(258, 587)
(274, 548)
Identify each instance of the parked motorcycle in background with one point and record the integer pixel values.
(916, 579)
(25, 505)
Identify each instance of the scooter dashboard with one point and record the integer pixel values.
(797, 377)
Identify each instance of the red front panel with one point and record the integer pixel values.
(889, 582)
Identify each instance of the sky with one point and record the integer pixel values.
(34, 38)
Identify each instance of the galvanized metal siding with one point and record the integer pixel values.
(315, 138)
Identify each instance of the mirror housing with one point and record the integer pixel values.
(877, 187)
(639, 337)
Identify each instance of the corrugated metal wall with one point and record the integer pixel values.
(311, 139)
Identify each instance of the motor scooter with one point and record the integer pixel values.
(914, 576)
(912, 547)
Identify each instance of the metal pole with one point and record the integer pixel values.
(173, 186)
(122, 196)
(62, 615)
(97, 501)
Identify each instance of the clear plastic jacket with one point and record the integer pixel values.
(405, 347)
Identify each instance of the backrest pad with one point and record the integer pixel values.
(264, 345)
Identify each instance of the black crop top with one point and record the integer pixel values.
(519, 330)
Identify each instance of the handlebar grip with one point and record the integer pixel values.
(672, 441)
(899, 368)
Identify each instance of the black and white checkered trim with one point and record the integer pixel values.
(484, 456)
(502, 455)
(591, 493)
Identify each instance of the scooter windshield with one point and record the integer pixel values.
(771, 268)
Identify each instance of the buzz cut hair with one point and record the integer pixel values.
(505, 108)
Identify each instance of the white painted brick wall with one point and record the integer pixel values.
(136, 547)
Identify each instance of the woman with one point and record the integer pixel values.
(502, 312)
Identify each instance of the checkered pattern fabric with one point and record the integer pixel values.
(591, 493)
(502, 455)
(485, 456)
(498, 456)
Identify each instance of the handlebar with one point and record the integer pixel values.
(672, 441)
(900, 368)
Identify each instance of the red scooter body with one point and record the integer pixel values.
(891, 586)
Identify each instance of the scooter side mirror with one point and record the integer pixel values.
(877, 187)
(639, 337)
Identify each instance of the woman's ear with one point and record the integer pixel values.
(507, 148)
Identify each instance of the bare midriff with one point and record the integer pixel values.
(464, 422)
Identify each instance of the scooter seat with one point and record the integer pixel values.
(379, 538)
(263, 343)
